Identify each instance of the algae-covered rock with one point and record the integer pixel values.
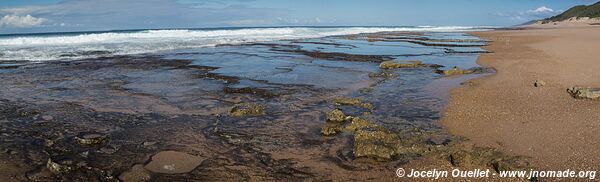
(359, 123)
(584, 93)
(336, 116)
(454, 71)
(376, 143)
(330, 129)
(60, 167)
(352, 102)
(457, 71)
(405, 64)
(247, 109)
(382, 74)
(479, 156)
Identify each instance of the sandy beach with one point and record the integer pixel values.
(507, 112)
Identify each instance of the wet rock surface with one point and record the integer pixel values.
(173, 162)
(282, 111)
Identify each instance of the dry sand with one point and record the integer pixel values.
(506, 111)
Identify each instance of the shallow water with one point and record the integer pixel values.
(180, 101)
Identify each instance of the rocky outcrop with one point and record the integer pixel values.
(584, 93)
(373, 141)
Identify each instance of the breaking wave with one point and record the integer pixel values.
(71, 46)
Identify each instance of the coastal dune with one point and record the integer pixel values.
(507, 112)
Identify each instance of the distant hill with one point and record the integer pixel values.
(591, 11)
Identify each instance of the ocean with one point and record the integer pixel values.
(80, 45)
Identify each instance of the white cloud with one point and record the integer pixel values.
(16, 21)
(532, 14)
(541, 10)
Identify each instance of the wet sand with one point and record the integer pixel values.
(507, 112)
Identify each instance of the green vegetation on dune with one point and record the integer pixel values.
(592, 11)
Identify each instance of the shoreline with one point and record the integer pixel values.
(505, 111)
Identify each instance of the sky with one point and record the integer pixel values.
(27, 16)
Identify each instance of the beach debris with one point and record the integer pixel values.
(457, 71)
(91, 139)
(247, 109)
(137, 173)
(406, 64)
(584, 93)
(352, 102)
(173, 162)
(539, 83)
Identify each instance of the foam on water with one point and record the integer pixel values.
(90, 45)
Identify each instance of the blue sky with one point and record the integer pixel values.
(24, 16)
